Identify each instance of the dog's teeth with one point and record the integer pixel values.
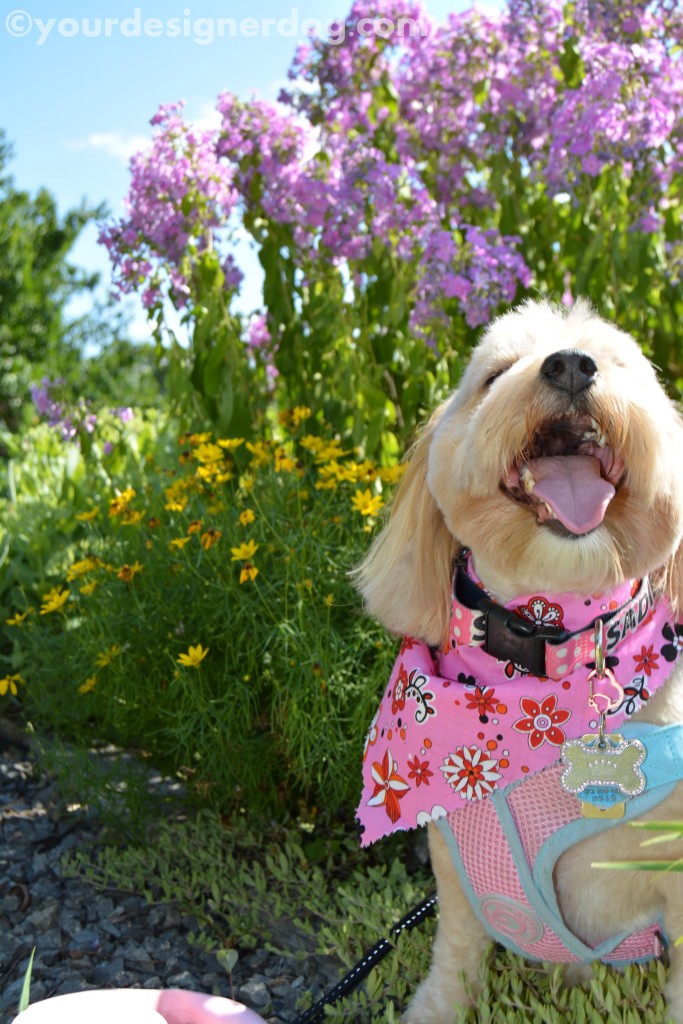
(597, 434)
(528, 482)
(551, 514)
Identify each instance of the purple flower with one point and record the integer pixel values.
(258, 335)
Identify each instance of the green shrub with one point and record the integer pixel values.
(200, 612)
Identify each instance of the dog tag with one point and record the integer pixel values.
(603, 773)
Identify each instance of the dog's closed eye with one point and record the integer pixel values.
(495, 375)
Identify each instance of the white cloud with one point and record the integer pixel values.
(121, 147)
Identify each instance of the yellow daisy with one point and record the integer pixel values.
(244, 551)
(194, 656)
(367, 504)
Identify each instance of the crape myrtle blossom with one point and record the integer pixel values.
(413, 141)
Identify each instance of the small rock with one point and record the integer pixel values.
(254, 993)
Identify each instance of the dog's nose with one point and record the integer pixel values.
(570, 370)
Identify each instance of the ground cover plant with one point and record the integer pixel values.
(307, 893)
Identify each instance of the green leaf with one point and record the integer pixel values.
(26, 987)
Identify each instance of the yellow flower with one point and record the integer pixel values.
(106, 657)
(87, 517)
(366, 471)
(194, 656)
(88, 588)
(210, 471)
(178, 542)
(330, 450)
(88, 685)
(175, 504)
(326, 485)
(283, 462)
(127, 572)
(247, 517)
(17, 619)
(247, 484)
(244, 551)
(195, 438)
(329, 600)
(9, 683)
(54, 600)
(79, 569)
(365, 503)
(130, 517)
(312, 443)
(230, 443)
(392, 474)
(259, 449)
(249, 572)
(208, 453)
(121, 501)
(195, 526)
(209, 538)
(299, 414)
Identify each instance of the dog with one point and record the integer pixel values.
(556, 468)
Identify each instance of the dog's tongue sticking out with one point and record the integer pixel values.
(574, 488)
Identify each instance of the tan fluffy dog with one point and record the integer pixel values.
(464, 487)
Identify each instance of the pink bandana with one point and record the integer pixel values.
(456, 724)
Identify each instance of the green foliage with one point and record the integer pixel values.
(36, 282)
(302, 893)
(194, 604)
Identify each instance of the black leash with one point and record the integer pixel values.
(351, 980)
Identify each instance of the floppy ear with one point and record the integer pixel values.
(675, 581)
(406, 576)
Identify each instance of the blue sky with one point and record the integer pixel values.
(75, 106)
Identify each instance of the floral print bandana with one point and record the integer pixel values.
(456, 724)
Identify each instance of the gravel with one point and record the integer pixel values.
(85, 939)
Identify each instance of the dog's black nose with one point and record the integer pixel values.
(569, 370)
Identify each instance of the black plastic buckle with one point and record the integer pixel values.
(509, 637)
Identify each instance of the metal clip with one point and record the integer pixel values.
(601, 701)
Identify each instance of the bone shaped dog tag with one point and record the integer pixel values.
(603, 775)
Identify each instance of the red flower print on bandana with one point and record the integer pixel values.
(389, 787)
(646, 661)
(398, 701)
(471, 772)
(542, 721)
(419, 770)
(541, 612)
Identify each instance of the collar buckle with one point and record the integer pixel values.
(509, 637)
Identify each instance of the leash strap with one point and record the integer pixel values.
(354, 977)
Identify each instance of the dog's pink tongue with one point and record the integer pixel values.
(574, 488)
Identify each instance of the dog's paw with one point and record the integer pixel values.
(436, 1004)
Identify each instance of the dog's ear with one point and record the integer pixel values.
(406, 576)
(675, 580)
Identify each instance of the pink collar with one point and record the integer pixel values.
(456, 724)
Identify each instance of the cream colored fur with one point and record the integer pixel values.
(451, 496)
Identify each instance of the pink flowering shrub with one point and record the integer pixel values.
(410, 183)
